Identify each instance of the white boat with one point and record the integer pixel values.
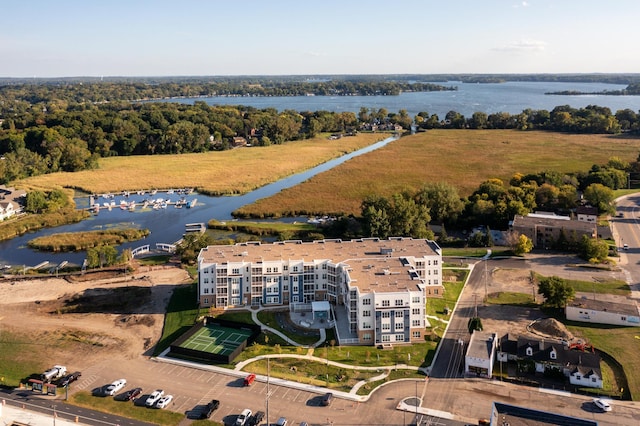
(192, 203)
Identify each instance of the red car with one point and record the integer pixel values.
(249, 379)
(132, 394)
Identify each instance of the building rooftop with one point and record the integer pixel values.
(505, 414)
(481, 344)
(373, 264)
(335, 250)
(630, 308)
(553, 222)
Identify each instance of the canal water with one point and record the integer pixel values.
(167, 225)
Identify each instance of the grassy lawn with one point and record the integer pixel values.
(210, 172)
(262, 228)
(418, 355)
(14, 366)
(312, 373)
(619, 342)
(126, 409)
(464, 251)
(393, 375)
(511, 298)
(159, 259)
(182, 313)
(615, 287)
(436, 306)
(269, 318)
(400, 166)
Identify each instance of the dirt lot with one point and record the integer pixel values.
(83, 319)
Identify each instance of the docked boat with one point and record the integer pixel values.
(192, 203)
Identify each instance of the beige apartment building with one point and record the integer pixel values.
(381, 285)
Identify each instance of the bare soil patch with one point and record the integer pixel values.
(81, 320)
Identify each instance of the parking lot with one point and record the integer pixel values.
(193, 388)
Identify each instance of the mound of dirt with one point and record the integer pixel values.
(553, 328)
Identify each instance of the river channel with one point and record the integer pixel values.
(167, 225)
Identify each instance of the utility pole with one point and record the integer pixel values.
(268, 391)
(486, 277)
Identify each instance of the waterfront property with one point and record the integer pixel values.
(379, 286)
(11, 201)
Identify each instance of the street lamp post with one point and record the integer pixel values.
(54, 414)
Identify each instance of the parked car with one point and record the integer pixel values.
(326, 399)
(602, 404)
(243, 417)
(210, 408)
(69, 378)
(154, 397)
(625, 246)
(256, 419)
(304, 424)
(164, 401)
(115, 387)
(249, 379)
(132, 394)
(281, 422)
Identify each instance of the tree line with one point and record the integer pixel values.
(495, 202)
(62, 135)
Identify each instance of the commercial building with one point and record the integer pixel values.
(382, 285)
(603, 312)
(481, 354)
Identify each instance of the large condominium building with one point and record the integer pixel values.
(382, 284)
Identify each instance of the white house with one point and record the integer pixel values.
(382, 285)
(481, 354)
(7, 209)
(600, 312)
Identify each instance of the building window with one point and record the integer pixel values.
(399, 326)
(235, 271)
(435, 262)
(415, 311)
(399, 337)
(366, 301)
(593, 379)
(416, 334)
(399, 302)
(366, 336)
(415, 299)
(435, 291)
(386, 338)
(385, 303)
(386, 326)
(398, 314)
(622, 318)
(366, 326)
(416, 323)
(206, 270)
(285, 267)
(386, 314)
(206, 290)
(366, 313)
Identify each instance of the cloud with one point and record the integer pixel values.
(522, 46)
(312, 53)
(521, 4)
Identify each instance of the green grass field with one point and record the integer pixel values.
(464, 158)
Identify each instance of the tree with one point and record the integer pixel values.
(601, 197)
(593, 249)
(442, 200)
(475, 323)
(556, 291)
(36, 202)
(524, 245)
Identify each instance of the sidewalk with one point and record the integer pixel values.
(10, 414)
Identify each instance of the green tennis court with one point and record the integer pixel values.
(216, 339)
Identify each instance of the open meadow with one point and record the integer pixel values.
(464, 158)
(235, 171)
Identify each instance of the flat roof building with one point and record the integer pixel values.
(381, 284)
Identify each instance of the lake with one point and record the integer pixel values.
(511, 97)
(168, 225)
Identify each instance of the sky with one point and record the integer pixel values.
(68, 38)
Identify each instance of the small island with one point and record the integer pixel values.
(631, 90)
(78, 241)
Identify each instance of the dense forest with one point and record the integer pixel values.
(68, 126)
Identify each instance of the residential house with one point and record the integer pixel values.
(7, 209)
(380, 285)
(581, 367)
(601, 312)
(587, 214)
